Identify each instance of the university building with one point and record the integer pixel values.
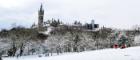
(41, 24)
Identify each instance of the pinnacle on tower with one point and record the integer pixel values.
(41, 8)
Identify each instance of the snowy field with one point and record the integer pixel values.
(132, 53)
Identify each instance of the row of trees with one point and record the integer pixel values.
(78, 40)
(24, 41)
(18, 38)
(20, 41)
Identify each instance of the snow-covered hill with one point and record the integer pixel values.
(132, 53)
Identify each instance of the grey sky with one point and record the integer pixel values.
(111, 13)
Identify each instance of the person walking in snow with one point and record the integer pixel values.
(123, 46)
(115, 46)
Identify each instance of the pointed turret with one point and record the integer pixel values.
(41, 8)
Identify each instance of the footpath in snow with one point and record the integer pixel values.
(132, 53)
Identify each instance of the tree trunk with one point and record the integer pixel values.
(0, 58)
(21, 50)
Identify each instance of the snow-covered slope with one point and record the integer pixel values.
(49, 29)
(132, 53)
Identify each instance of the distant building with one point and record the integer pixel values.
(41, 26)
(96, 25)
(40, 18)
(91, 26)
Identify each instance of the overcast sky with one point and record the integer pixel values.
(111, 13)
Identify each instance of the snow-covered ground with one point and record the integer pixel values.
(132, 53)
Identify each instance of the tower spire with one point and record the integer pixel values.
(41, 7)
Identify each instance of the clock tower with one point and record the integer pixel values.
(40, 18)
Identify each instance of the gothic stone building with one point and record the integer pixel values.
(40, 18)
